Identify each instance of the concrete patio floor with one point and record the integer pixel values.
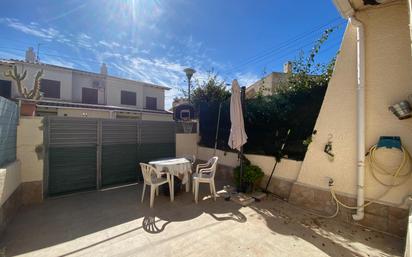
(115, 223)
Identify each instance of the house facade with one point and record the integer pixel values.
(75, 93)
(268, 84)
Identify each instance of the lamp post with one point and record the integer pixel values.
(189, 73)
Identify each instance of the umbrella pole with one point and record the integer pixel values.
(217, 128)
(242, 100)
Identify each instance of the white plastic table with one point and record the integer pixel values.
(179, 167)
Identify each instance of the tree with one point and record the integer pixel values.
(212, 90)
(293, 107)
(306, 73)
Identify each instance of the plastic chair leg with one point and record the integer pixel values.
(214, 190)
(152, 195)
(170, 188)
(196, 191)
(144, 189)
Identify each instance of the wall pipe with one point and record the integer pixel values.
(360, 149)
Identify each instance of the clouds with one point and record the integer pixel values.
(158, 62)
(59, 62)
(246, 79)
(109, 44)
(33, 29)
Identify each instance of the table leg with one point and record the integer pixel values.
(188, 184)
(172, 194)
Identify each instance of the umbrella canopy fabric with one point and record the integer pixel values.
(238, 135)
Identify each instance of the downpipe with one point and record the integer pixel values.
(360, 50)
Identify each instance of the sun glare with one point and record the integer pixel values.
(134, 12)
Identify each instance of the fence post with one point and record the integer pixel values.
(99, 155)
(138, 142)
(46, 151)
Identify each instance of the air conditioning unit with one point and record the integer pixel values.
(98, 85)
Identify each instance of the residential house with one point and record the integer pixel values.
(76, 93)
(268, 84)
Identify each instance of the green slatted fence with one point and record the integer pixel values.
(119, 152)
(72, 155)
(86, 154)
(9, 115)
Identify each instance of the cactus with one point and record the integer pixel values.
(33, 94)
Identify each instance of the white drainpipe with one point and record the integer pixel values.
(360, 45)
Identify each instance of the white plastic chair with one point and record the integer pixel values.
(153, 179)
(191, 158)
(205, 173)
(200, 166)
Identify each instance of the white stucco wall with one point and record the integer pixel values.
(29, 136)
(115, 86)
(10, 180)
(186, 144)
(157, 116)
(285, 169)
(154, 92)
(82, 80)
(62, 75)
(225, 158)
(266, 85)
(388, 80)
(72, 82)
(83, 112)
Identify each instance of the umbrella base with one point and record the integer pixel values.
(244, 188)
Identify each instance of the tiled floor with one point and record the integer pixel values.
(115, 223)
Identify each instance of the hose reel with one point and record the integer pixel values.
(399, 175)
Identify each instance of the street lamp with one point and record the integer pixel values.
(189, 73)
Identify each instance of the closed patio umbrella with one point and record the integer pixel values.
(238, 135)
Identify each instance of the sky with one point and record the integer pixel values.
(154, 40)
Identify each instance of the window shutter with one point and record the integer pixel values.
(50, 88)
(128, 98)
(151, 103)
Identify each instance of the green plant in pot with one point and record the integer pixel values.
(28, 103)
(252, 175)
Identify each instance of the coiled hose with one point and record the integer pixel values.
(376, 167)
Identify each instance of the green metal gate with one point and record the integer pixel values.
(86, 154)
(126, 143)
(72, 156)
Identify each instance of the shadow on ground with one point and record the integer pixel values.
(328, 235)
(63, 219)
(114, 222)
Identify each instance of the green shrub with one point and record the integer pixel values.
(251, 174)
(294, 106)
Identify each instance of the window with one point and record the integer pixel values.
(5, 88)
(151, 103)
(128, 98)
(50, 88)
(89, 95)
